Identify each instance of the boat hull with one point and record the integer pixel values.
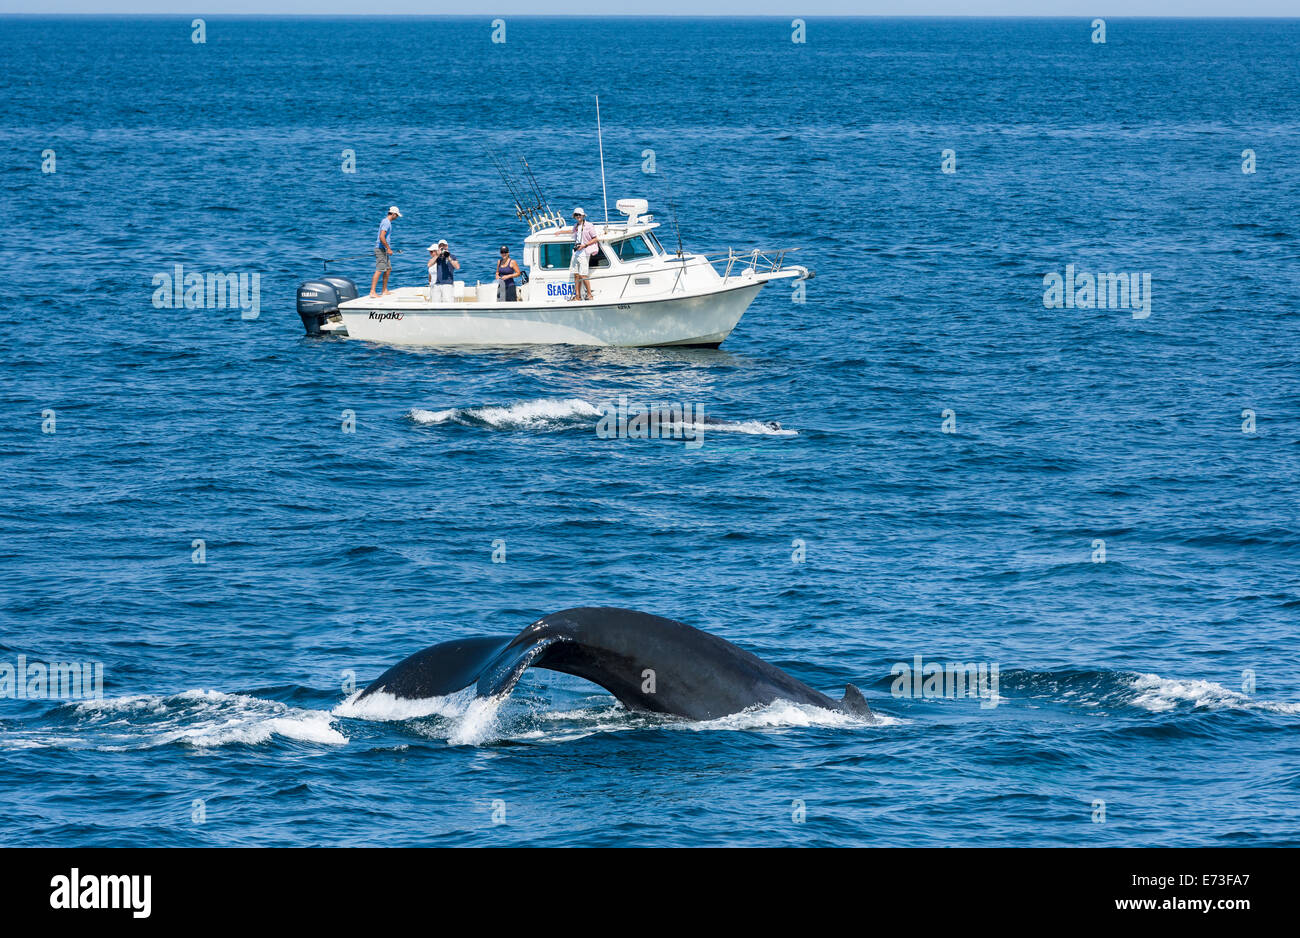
(702, 319)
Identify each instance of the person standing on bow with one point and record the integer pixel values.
(384, 251)
(507, 271)
(584, 249)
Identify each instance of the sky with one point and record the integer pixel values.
(791, 8)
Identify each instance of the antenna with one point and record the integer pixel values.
(673, 205)
(601, 141)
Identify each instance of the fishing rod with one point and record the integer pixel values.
(326, 261)
(505, 179)
(542, 202)
(509, 184)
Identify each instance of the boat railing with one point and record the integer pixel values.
(757, 261)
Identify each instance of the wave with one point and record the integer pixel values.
(1111, 690)
(465, 719)
(540, 414)
(199, 718)
(755, 427)
(556, 413)
(1159, 694)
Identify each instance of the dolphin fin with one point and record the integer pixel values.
(854, 702)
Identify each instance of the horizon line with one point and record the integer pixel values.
(663, 16)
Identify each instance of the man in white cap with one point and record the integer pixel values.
(384, 250)
(584, 248)
(442, 272)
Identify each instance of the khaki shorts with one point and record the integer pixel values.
(382, 261)
(581, 263)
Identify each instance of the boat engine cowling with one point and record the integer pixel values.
(347, 289)
(318, 298)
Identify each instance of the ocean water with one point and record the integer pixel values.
(1151, 698)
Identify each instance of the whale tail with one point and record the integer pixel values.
(648, 663)
(854, 702)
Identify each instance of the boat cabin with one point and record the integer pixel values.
(630, 261)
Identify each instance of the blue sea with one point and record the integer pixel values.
(244, 526)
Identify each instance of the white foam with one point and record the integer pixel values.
(467, 719)
(784, 713)
(544, 412)
(525, 415)
(754, 427)
(383, 707)
(419, 415)
(40, 742)
(121, 704)
(204, 718)
(1159, 694)
(533, 413)
(478, 724)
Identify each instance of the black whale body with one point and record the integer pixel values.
(670, 416)
(695, 675)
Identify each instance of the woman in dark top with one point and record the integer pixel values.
(507, 271)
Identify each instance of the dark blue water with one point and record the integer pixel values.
(1162, 682)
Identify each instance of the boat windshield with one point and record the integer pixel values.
(632, 249)
(659, 248)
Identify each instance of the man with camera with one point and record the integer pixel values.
(442, 272)
(584, 247)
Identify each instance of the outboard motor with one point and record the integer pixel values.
(347, 289)
(318, 299)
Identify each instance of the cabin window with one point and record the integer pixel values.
(650, 235)
(555, 255)
(632, 249)
(559, 256)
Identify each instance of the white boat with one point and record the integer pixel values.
(642, 294)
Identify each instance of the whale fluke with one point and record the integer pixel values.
(648, 663)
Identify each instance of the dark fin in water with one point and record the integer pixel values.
(854, 702)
